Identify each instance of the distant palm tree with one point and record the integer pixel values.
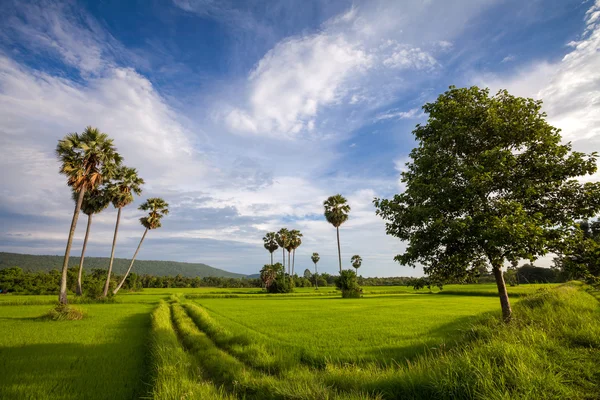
(296, 241)
(356, 262)
(87, 159)
(271, 245)
(336, 213)
(282, 238)
(121, 190)
(158, 208)
(94, 202)
(315, 259)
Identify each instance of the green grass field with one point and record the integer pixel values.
(238, 343)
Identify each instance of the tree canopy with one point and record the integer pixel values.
(490, 180)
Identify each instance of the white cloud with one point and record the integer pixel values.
(396, 114)
(294, 80)
(403, 57)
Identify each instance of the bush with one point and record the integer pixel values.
(281, 284)
(65, 312)
(348, 284)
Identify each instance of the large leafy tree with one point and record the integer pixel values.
(157, 208)
(86, 159)
(121, 191)
(336, 213)
(94, 201)
(295, 242)
(315, 259)
(489, 181)
(356, 262)
(270, 243)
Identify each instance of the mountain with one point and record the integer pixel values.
(29, 262)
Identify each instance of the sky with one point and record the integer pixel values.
(246, 115)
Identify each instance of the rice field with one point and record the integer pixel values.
(238, 343)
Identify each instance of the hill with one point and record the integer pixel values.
(29, 262)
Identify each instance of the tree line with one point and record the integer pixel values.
(97, 177)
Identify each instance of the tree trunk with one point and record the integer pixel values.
(62, 297)
(293, 261)
(289, 263)
(504, 301)
(283, 256)
(339, 250)
(316, 278)
(271, 259)
(79, 290)
(112, 255)
(132, 261)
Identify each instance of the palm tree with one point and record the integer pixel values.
(121, 190)
(94, 202)
(336, 213)
(315, 259)
(158, 208)
(271, 245)
(296, 241)
(268, 274)
(356, 262)
(282, 238)
(86, 159)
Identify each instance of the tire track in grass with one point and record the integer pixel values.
(175, 374)
(244, 381)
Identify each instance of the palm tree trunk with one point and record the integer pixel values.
(293, 261)
(316, 278)
(112, 255)
(132, 261)
(289, 263)
(79, 290)
(62, 297)
(283, 256)
(504, 301)
(339, 250)
(271, 259)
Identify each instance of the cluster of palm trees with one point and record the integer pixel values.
(288, 240)
(97, 177)
(336, 213)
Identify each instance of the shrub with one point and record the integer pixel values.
(65, 312)
(348, 284)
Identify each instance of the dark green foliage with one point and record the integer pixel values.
(158, 268)
(348, 284)
(489, 181)
(580, 258)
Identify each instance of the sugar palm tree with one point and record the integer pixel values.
(282, 238)
(336, 213)
(296, 241)
(157, 208)
(121, 190)
(94, 202)
(86, 159)
(315, 259)
(271, 245)
(356, 262)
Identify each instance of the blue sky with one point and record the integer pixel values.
(246, 115)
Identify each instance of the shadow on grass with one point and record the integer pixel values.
(115, 370)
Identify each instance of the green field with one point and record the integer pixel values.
(238, 343)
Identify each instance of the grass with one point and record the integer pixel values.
(99, 357)
(393, 343)
(378, 329)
